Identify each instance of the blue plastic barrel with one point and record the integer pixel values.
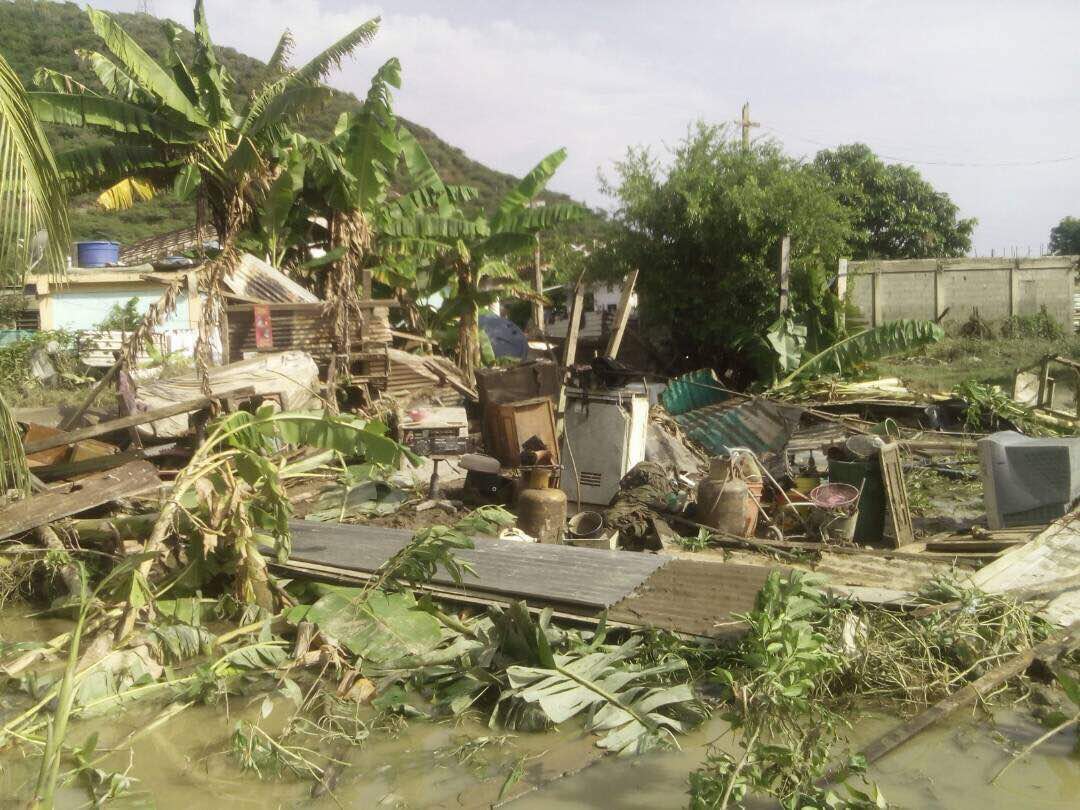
(97, 254)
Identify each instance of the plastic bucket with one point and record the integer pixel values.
(97, 254)
(585, 525)
(835, 497)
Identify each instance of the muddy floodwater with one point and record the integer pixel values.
(188, 763)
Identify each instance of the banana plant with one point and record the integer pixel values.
(174, 124)
(484, 268)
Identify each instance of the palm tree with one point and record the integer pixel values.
(31, 203)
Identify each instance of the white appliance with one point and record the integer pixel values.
(604, 437)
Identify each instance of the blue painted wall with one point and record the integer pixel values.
(75, 309)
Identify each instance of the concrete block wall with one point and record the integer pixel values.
(884, 291)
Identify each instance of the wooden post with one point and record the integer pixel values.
(574, 327)
(365, 282)
(622, 315)
(746, 124)
(538, 286)
(784, 272)
(193, 301)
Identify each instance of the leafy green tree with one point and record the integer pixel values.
(895, 213)
(1065, 237)
(705, 236)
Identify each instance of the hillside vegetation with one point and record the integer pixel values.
(36, 34)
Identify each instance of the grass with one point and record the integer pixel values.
(942, 366)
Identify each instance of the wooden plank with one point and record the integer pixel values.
(124, 423)
(570, 347)
(133, 478)
(892, 475)
(622, 316)
(1053, 555)
(784, 273)
(55, 472)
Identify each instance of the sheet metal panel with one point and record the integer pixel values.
(592, 578)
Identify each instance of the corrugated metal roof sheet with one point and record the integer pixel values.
(690, 391)
(759, 425)
(254, 278)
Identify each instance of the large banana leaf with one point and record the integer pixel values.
(175, 62)
(111, 76)
(518, 198)
(81, 110)
(542, 217)
(211, 79)
(93, 167)
(151, 76)
(633, 710)
(317, 69)
(381, 628)
(880, 341)
(279, 59)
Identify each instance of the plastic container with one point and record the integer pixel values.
(97, 254)
(585, 525)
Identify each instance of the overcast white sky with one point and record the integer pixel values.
(932, 83)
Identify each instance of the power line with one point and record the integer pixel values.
(947, 163)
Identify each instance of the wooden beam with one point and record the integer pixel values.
(56, 472)
(574, 328)
(1048, 650)
(92, 432)
(131, 479)
(622, 316)
(110, 375)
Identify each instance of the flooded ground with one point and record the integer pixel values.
(189, 761)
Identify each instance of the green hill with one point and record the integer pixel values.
(37, 34)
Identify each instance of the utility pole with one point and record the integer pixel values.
(746, 124)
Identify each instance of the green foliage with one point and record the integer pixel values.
(874, 343)
(705, 235)
(1065, 237)
(895, 213)
(15, 376)
(122, 317)
(1040, 326)
(35, 34)
(777, 681)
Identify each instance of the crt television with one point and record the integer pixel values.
(1028, 481)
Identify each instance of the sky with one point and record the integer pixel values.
(981, 97)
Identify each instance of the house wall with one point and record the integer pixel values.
(884, 291)
(84, 306)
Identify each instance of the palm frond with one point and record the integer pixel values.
(279, 60)
(80, 110)
(151, 76)
(14, 472)
(31, 191)
(317, 69)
